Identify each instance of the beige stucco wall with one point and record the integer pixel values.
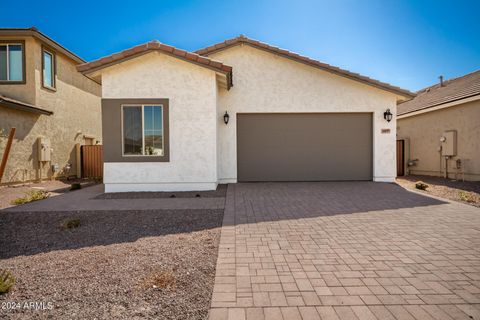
(423, 132)
(192, 94)
(24, 92)
(264, 82)
(76, 107)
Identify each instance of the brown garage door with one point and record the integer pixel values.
(304, 147)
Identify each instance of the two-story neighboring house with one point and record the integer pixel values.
(49, 103)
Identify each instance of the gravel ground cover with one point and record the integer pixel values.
(219, 193)
(463, 191)
(114, 265)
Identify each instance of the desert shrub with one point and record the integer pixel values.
(421, 185)
(466, 196)
(7, 280)
(159, 280)
(30, 196)
(75, 186)
(71, 223)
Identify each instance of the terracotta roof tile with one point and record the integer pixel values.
(295, 56)
(190, 55)
(452, 90)
(155, 45)
(166, 48)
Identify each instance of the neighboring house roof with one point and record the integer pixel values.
(452, 90)
(302, 59)
(34, 32)
(157, 46)
(23, 106)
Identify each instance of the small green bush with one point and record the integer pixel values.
(7, 280)
(75, 186)
(466, 196)
(71, 223)
(33, 195)
(421, 186)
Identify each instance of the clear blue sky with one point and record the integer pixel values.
(406, 43)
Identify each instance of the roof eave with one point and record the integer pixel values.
(24, 107)
(90, 72)
(33, 32)
(439, 106)
(302, 59)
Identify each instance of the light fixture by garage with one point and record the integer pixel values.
(226, 117)
(387, 115)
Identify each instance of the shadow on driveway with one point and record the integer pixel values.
(254, 202)
(30, 233)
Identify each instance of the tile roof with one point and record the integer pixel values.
(23, 106)
(152, 46)
(302, 59)
(34, 32)
(451, 90)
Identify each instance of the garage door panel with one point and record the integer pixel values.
(304, 147)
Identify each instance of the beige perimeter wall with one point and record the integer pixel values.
(76, 107)
(423, 133)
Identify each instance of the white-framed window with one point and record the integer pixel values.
(48, 69)
(11, 62)
(142, 130)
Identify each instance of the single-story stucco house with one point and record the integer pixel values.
(240, 110)
(439, 129)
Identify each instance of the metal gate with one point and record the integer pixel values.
(92, 161)
(400, 158)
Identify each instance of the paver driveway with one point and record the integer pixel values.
(345, 250)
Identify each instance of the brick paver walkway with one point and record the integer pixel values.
(345, 250)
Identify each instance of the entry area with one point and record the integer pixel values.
(304, 146)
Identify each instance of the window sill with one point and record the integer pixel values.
(51, 89)
(142, 158)
(7, 82)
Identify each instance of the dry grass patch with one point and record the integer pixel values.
(161, 279)
(7, 280)
(33, 195)
(469, 197)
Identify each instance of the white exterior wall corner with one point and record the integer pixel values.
(264, 82)
(192, 94)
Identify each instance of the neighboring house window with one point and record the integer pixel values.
(48, 66)
(143, 130)
(11, 62)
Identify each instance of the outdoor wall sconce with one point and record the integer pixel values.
(387, 115)
(226, 117)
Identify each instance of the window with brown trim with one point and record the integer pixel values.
(12, 62)
(142, 128)
(48, 69)
(135, 136)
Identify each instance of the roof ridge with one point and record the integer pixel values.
(35, 32)
(455, 89)
(155, 45)
(303, 59)
(448, 81)
(464, 76)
